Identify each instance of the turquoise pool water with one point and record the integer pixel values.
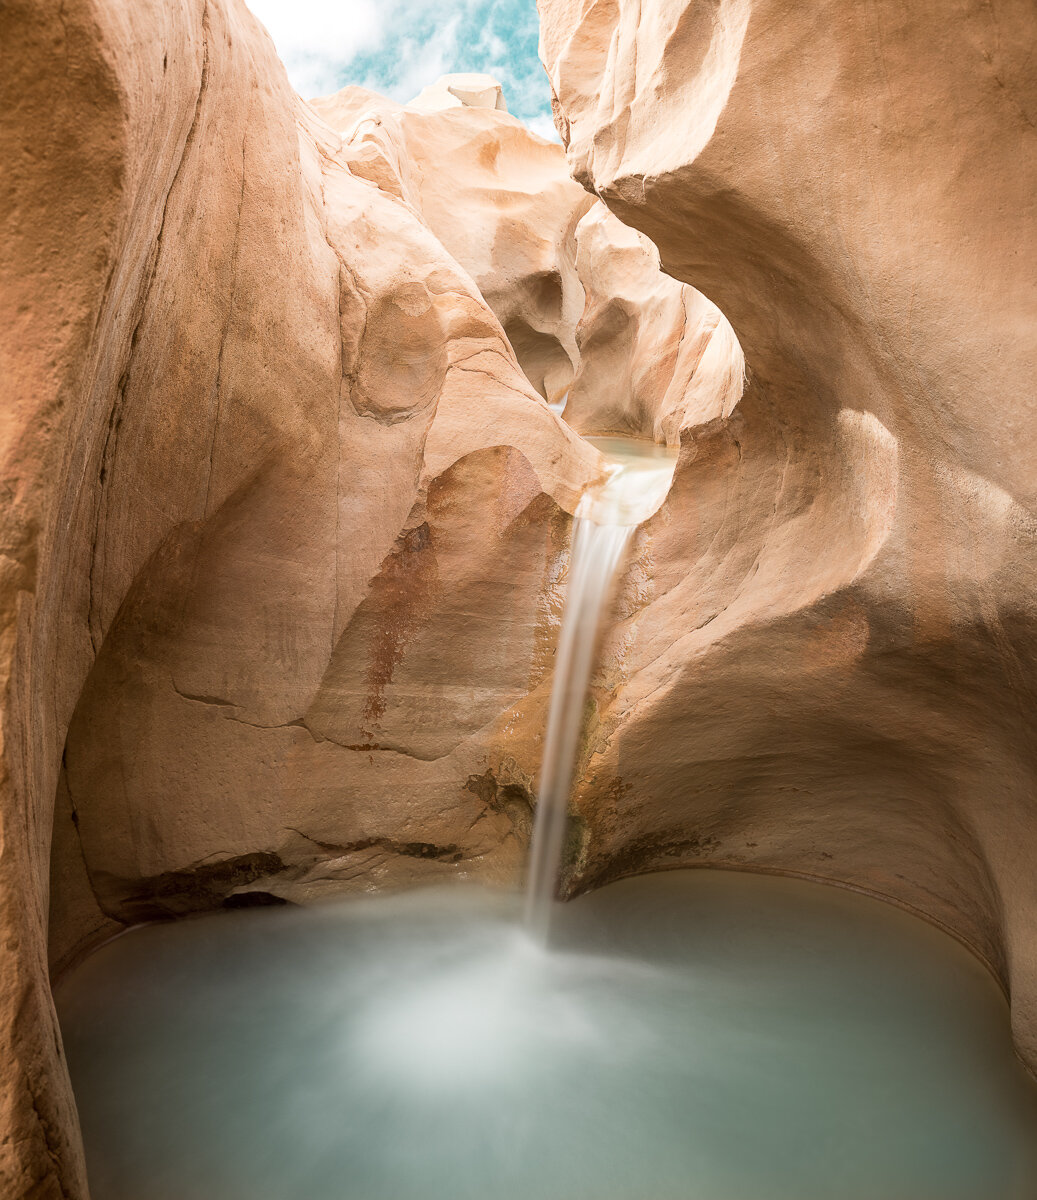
(694, 1035)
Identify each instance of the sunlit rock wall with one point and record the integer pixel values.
(598, 329)
(248, 395)
(290, 703)
(831, 668)
(285, 522)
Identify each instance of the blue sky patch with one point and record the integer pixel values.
(397, 47)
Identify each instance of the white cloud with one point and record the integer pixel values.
(425, 63)
(398, 47)
(545, 127)
(335, 28)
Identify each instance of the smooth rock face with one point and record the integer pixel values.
(285, 526)
(830, 666)
(287, 703)
(461, 91)
(594, 322)
(285, 522)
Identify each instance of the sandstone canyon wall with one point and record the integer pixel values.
(385, 725)
(285, 522)
(835, 674)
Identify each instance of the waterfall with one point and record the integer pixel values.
(597, 551)
(639, 478)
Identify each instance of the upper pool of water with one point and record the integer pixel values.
(640, 474)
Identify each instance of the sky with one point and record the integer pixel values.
(397, 47)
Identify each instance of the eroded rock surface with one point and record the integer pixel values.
(235, 373)
(286, 523)
(596, 326)
(287, 701)
(830, 666)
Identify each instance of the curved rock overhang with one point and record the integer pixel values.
(853, 695)
(286, 516)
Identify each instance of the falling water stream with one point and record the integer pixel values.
(693, 1035)
(639, 477)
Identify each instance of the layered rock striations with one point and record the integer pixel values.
(834, 673)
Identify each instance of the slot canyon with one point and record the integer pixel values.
(302, 396)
